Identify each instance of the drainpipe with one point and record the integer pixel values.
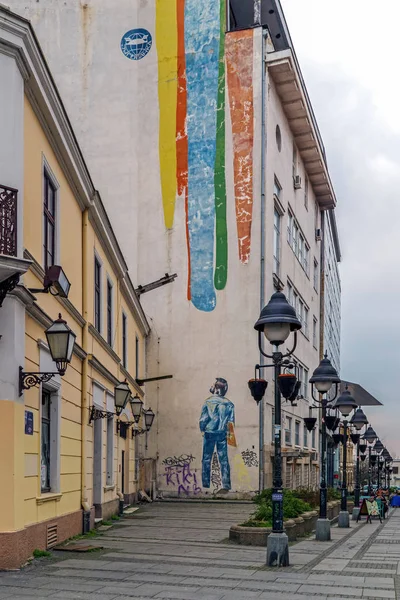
(262, 245)
(85, 338)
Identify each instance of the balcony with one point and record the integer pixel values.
(11, 267)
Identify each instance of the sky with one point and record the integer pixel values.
(348, 54)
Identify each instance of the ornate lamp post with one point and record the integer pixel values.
(369, 437)
(323, 378)
(358, 421)
(277, 320)
(345, 404)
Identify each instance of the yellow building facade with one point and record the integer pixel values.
(66, 458)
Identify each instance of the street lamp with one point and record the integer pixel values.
(61, 342)
(122, 394)
(277, 320)
(358, 421)
(323, 378)
(369, 437)
(136, 406)
(345, 404)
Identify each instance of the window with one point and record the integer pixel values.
(305, 436)
(300, 249)
(137, 357)
(288, 431)
(290, 229)
(315, 277)
(277, 189)
(306, 259)
(305, 384)
(277, 241)
(297, 433)
(305, 321)
(45, 442)
(97, 294)
(110, 451)
(109, 312)
(124, 340)
(395, 470)
(278, 137)
(306, 192)
(294, 166)
(314, 333)
(49, 216)
(313, 436)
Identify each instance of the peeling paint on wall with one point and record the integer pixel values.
(239, 59)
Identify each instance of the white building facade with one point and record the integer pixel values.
(209, 160)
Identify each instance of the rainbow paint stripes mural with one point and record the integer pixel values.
(196, 60)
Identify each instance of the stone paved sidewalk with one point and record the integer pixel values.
(181, 551)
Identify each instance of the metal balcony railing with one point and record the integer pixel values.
(8, 220)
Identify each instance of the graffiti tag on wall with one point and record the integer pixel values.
(181, 477)
(250, 458)
(178, 461)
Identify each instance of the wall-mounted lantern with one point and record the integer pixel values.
(137, 407)
(148, 422)
(55, 282)
(61, 341)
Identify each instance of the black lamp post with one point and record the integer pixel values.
(358, 421)
(345, 404)
(277, 320)
(369, 437)
(323, 378)
(61, 341)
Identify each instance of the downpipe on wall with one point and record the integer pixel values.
(262, 245)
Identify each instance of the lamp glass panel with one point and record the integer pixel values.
(323, 386)
(277, 333)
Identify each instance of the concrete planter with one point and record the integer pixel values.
(290, 527)
(300, 526)
(257, 536)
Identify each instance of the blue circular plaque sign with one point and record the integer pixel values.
(136, 43)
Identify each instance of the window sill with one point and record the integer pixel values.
(304, 334)
(50, 497)
(109, 488)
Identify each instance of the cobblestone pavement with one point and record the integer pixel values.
(180, 551)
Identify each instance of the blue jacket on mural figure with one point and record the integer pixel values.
(216, 421)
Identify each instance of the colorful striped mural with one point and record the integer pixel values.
(192, 52)
(239, 61)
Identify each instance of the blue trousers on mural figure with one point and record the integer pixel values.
(219, 440)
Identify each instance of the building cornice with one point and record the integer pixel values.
(93, 331)
(100, 368)
(284, 72)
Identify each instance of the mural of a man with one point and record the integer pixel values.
(216, 424)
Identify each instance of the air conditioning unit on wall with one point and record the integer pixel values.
(297, 182)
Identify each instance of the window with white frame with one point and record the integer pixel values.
(297, 433)
(305, 321)
(298, 243)
(302, 375)
(109, 312)
(124, 340)
(315, 275)
(295, 159)
(277, 189)
(277, 241)
(313, 440)
(97, 294)
(288, 431)
(110, 451)
(305, 436)
(50, 440)
(314, 333)
(306, 192)
(137, 357)
(290, 229)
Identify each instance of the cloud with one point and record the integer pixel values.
(363, 152)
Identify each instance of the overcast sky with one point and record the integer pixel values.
(349, 57)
